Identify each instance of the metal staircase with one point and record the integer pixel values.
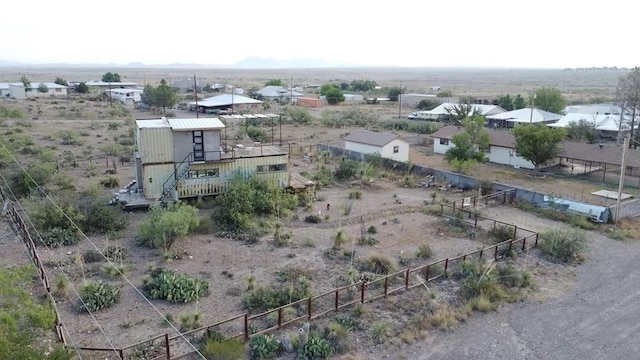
(177, 175)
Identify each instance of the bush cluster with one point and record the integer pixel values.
(176, 288)
(97, 295)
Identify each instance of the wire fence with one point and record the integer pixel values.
(244, 326)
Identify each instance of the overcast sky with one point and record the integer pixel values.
(490, 33)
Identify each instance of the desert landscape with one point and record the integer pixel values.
(371, 225)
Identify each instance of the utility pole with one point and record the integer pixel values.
(623, 169)
(533, 103)
(195, 92)
(110, 100)
(400, 102)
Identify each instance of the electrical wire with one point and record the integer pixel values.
(37, 185)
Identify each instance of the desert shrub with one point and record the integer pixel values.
(317, 347)
(112, 149)
(339, 239)
(347, 170)
(176, 288)
(163, 226)
(126, 141)
(476, 279)
(425, 252)
(380, 331)
(501, 233)
(257, 134)
(509, 276)
(110, 182)
(113, 125)
(350, 323)
(56, 236)
(101, 218)
(379, 264)
(313, 219)
(116, 253)
(205, 225)
(266, 298)
(232, 349)
(355, 194)
(263, 347)
(10, 113)
(114, 271)
(97, 295)
(92, 256)
(324, 176)
(245, 198)
(564, 244)
(372, 229)
(68, 137)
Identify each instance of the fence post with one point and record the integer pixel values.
(446, 264)
(386, 284)
(246, 327)
(426, 273)
(504, 197)
(107, 161)
(279, 317)
(337, 299)
(494, 225)
(362, 292)
(481, 251)
(515, 231)
(524, 243)
(475, 221)
(309, 307)
(495, 253)
(166, 344)
(121, 353)
(406, 279)
(536, 243)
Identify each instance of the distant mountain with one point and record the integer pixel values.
(7, 63)
(269, 63)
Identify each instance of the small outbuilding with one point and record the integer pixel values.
(389, 146)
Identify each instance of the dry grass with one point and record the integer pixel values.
(625, 229)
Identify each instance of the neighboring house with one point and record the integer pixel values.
(126, 96)
(606, 126)
(182, 158)
(16, 90)
(442, 111)
(107, 85)
(389, 146)
(226, 101)
(353, 98)
(279, 93)
(12, 90)
(512, 118)
(412, 100)
(501, 146)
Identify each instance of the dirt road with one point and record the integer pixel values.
(597, 318)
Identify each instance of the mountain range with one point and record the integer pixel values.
(247, 63)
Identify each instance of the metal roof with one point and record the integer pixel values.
(152, 123)
(370, 137)
(277, 91)
(195, 124)
(34, 85)
(600, 122)
(225, 100)
(102, 83)
(481, 108)
(125, 91)
(524, 115)
(502, 138)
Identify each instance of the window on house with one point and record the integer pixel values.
(488, 150)
(192, 174)
(396, 149)
(444, 141)
(271, 168)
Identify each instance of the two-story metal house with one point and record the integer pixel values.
(182, 158)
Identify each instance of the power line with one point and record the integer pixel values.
(100, 251)
(73, 343)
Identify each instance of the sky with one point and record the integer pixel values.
(463, 33)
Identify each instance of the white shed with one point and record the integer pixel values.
(389, 146)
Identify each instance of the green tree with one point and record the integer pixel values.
(274, 82)
(582, 130)
(26, 83)
(470, 144)
(550, 99)
(43, 88)
(82, 88)
(111, 77)
(61, 81)
(538, 143)
(519, 103)
(207, 88)
(428, 104)
(445, 94)
(393, 93)
(162, 96)
(628, 95)
(162, 227)
(506, 102)
(363, 85)
(458, 112)
(332, 93)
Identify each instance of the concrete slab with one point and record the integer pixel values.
(611, 194)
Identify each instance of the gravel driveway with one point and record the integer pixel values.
(597, 318)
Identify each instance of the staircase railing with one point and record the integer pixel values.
(179, 172)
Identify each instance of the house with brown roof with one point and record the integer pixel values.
(389, 146)
(501, 146)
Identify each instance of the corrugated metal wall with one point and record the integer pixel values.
(153, 178)
(156, 145)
